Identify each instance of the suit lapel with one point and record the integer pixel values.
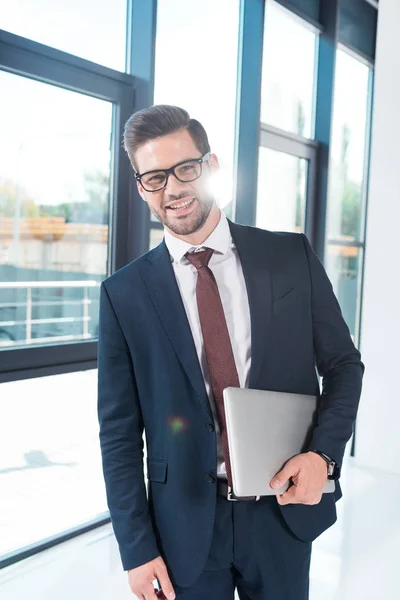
(159, 278)
(256, 259)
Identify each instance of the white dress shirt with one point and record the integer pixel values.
(227, 269)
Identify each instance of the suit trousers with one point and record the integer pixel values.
(253, 551)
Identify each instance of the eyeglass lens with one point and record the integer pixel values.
(187, 171)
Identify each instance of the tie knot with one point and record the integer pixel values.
(200, 259)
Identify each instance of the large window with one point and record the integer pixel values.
(66, 199)
(282, 191)
(54, 211)
(287, 156)
(70, 213)
(196, 64)
(87, 28)
(347, 183)
(51, 474)
(287, 93)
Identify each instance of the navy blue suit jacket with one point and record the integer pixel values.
(149, 377)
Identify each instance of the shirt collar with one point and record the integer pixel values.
(220, 239)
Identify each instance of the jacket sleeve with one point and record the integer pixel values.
(121, 442)
(338, 363)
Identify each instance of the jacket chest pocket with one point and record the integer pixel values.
(286, 301)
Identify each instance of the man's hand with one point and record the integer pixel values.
(309, 473)
(141, 580)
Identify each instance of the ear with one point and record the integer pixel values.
(214, 163)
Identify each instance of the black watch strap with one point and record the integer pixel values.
(330, 462)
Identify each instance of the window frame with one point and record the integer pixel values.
(128, 92)
(249, 129)
(361, 244)
(130, 223)
(299, 147)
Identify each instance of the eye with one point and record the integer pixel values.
(155, 178)
(188, 168)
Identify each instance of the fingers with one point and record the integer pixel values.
(165, 582)
(298, 495)
(148, 592)
(141, 580)
(160, 594)
(288, 471)
(308, 481)
(289, 497)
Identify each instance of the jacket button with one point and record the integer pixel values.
(210, 427)
(210, 479)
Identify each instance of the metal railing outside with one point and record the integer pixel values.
(28, 321)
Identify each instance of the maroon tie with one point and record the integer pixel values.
(217, 343)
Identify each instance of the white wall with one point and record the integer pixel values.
(378, 427)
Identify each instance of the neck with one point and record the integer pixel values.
(197, 237)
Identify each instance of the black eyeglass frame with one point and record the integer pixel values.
(171, 171)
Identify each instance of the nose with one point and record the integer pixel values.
(173, 187)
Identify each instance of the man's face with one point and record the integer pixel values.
(165, 152)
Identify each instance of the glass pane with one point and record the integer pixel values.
(281, 191)
(343, 265)
(51, 473)
(153, 218)
(287, 87)
(54, 211)
(205, 38)
(347, 163)
(87, 28)
(156, 236)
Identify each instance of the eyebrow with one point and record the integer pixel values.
(174, 165)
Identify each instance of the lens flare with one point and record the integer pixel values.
(177, 424)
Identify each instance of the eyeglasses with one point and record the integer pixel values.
(187, 170)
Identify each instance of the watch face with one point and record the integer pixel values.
(333, 470)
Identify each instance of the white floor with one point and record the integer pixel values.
(356, 559)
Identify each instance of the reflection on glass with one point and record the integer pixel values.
(87, 28)
(343, 264)
(281, 191)
(195, 68)
(287, 87)
(346, 176)
(54, 210)
(51, 476)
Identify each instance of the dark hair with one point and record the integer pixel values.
(158, 120)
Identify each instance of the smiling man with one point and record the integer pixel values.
(211, 307)
(180, 196)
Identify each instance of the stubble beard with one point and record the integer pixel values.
(188, 224)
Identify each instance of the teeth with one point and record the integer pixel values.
(184, 205)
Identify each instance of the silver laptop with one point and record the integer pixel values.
(265, 429)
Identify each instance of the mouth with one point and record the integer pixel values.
(181, 208)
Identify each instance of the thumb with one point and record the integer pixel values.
(288, 497)
(283, 476)
(165, 583)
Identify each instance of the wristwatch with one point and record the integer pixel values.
(332, 466)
